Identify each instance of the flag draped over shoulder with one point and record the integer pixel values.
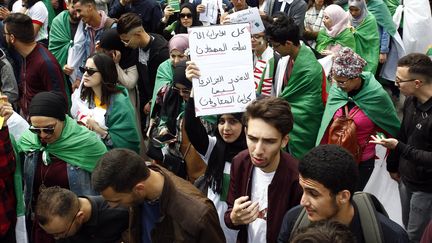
(304, 93)
(368, 42)
(345, 39)
(372, 99)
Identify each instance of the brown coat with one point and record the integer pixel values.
(186, 214)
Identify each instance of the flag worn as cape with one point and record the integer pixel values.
(121, 122)
(60, 37)
(382, 15)
(303, 92)
(368, 42)
(164, 76)
(372, 99)
(345, 39)
(76, 145)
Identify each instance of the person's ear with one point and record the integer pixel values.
(343, 197)
(285, 141)
(418, 83)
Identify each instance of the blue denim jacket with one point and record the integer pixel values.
(79, 180)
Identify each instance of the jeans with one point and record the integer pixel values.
(416, 211)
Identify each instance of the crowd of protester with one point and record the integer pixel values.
(100, 141)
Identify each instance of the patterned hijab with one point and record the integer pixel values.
(347, 63)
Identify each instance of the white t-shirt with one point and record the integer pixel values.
(221, 206)
(257, 230)
(39, 15)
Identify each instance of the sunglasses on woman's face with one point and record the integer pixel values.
(184, 15)
(39, 130)
(89, 71)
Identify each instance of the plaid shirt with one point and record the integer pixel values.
(7, 196)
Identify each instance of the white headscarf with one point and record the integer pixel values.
(339, 19)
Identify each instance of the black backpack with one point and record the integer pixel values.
(368, 207)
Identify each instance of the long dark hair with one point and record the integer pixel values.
(107, 68)
(180, 29)
(312, 2)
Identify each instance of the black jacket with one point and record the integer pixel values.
(412, 157)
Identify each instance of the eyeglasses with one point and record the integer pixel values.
(182, 90)
(340, 82)
(398, 80)
(47, 130)
(184, 15)
(256, 37)
(5, 33)
(89, 71)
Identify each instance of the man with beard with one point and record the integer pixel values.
(329, 176)
(164, 207)
(40, 70)
(264, 179)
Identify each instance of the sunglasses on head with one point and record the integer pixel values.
(183, 15)
(89, 71)
(39, 130)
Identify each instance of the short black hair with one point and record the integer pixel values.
(283, 29)
(56, 201)
(332, 166)
(120, 169)
(274, 111)
(83, 2)
(324, 231)
(21, 26)
(418, 65)
(128, 22)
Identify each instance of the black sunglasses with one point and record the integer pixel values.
(89, 71)
(39, 130)
(182, 15)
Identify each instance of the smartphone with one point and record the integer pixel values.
(166, 138)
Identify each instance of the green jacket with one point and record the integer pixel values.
(372, 99)
(304, 93)
(345, 39)
(368, 42)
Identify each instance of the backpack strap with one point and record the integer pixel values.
(371, 228)
(301, 221)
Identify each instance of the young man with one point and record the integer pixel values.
(153, 50)
(409, 161)
(298, 80)
(165, 208)
(40, 70)
(264, 179)
(70, 218)
(89, 32)
(329, 176)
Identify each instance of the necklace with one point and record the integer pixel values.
(43, 176)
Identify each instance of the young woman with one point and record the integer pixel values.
(313, 21)
(217, 152)
(103, 106)
(366, 34)
(172, 23)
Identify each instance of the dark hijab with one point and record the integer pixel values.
(180, 29)
(223, 152)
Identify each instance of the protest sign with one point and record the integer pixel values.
(211, 11)
(251, 16)
(224, 56)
